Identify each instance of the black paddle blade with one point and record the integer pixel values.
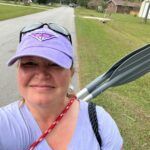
(91, 86)
(116, 65)
(134, 67)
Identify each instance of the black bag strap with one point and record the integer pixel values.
(94, 121)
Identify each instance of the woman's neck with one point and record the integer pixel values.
(48, 112)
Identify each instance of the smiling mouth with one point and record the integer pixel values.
(42, 86)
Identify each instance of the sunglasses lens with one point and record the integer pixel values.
(59, 29)
(31, 27)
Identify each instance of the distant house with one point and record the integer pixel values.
(145, 9)
(122, 6)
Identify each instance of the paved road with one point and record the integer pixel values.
(9, 31)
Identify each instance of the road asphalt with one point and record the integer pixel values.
(9, 34)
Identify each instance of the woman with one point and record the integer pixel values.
(48, 117)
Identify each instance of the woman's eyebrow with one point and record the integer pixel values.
(27, 59)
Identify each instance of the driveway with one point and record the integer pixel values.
(9, 34)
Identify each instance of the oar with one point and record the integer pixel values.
(118, 77)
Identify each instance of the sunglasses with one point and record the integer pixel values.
(52, 26)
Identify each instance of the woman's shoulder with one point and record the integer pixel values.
(108, 130)
(84, 106)
(8, 110)
(9, 115)
(102, 115)
(11, 126)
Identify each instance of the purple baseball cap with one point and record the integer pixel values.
(46, 44)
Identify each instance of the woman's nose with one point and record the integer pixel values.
(42, 71)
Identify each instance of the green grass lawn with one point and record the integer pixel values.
(99, 46)
(12, 11)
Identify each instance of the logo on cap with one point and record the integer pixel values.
(42, 36)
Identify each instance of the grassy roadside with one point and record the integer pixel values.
(99, 46)
(8, 11)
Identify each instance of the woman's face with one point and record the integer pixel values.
(41, 81)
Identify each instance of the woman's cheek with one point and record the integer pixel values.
(23, 77)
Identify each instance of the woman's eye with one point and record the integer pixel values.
(28, 64)
(54, 65)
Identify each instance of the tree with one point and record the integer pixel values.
(103, 4)
(43, 1)
(83, 2)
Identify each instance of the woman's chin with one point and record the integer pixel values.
(44, 98)
(41, 100)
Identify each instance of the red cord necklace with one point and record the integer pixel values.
(53, 125)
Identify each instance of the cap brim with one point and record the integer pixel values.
(48, 53)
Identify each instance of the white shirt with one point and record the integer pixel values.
(18, 130)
